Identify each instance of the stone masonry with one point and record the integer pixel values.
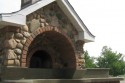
(14, 41)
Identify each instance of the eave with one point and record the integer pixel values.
(19, 18)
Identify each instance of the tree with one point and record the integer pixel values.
(112, 60)
(89, 61)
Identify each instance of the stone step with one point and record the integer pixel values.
(30, 73)
(86, 80)
(34, 75)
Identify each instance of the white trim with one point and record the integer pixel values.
(16, 19)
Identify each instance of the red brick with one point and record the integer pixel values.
(23, 64)
(48, 27)
(23, 60)
(26, 48)
(43, 30)
(56, 29)
(51, 28)
(24, 56)
(30, 38)
(27, 44)
(33, 35)
(24, 52)
(38, 31)
(28, 41)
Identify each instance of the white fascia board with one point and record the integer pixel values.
(13, 19)
(84, 36)
(88, 38)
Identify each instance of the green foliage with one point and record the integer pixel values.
(89, 61)
(112, 60)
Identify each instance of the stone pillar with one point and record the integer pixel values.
(80, 54)
(10, 45)
(15, 37)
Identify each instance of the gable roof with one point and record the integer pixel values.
(19, 18)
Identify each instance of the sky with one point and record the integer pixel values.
(8, 6)
(104, 18)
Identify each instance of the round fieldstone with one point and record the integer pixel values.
(82, 56)
(17, 51)
(25, 28)
(10, 54)
(46, 24)
(17, 62)
(34, 25)
(81, 60)
(26, 34)
(54, 21)
(10, 43)
(9, 62)
(42, 25)
(42, 20)
(38, 16)
(19, 35)
(19, 45)
(17, 40)
(18, 56)
(23, 41)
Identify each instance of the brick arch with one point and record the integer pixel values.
(41, 31)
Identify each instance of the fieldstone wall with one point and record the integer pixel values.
(13, 40)
(53, 16)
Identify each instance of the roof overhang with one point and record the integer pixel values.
(12, 19)
(19, 18)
